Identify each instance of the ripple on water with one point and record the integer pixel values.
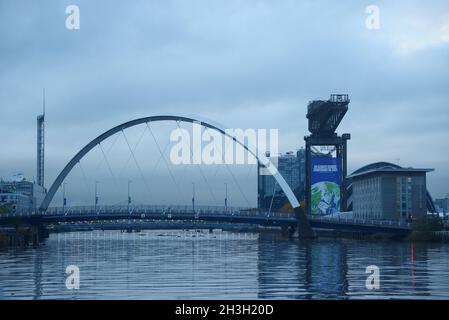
(221, 265)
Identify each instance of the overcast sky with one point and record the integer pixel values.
(248, 64)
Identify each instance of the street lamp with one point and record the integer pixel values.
(193, 196)
(96, 196)
(226, 197)
(129, 194)
(64, 199)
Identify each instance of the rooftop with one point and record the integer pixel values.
(389, 169)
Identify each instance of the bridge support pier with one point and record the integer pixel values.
(288, 231)
(305, 231)
(43, 233)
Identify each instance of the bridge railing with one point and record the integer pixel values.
(141, 209)
(184, 212)
(356, 221)
(166, 210)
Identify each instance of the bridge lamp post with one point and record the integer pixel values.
(96, 196)
(193, 196)
(129, 195)
(226, 197)
(64, 199)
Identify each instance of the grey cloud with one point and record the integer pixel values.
(259, 61)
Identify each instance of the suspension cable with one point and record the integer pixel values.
(85, 178)
(184, 168)
(201, 171)
(134, 149)
(109, 166)
(165, 160)
(272, 197)
(234, 178)
(238, 185)
(107, 152)
(216, 171)
(159, 159)
(137, 163)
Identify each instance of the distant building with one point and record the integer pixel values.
(389, 193)
(292, 167)
(15, 203)
(17, 195)
(349, 204)
(442, 204)
(20, 195)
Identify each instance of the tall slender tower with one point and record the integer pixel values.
(41, 143)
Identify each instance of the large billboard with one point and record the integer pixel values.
(325, 181)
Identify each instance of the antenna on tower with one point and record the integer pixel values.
(43, 101)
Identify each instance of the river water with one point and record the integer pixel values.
(221, 265)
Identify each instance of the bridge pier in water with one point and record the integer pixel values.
(305, 231)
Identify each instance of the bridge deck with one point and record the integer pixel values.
(211, 215)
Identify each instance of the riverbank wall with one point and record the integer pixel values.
(22, 236)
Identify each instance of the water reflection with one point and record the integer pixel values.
(199, 265)
(38, 262)
(305, 270)
(335, 269)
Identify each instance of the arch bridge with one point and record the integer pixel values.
(304, 228)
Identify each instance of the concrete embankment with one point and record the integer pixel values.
(22, 236)
(430, 236)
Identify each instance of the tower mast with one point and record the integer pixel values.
(41, 143)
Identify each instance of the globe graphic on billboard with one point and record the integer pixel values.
(325, 197)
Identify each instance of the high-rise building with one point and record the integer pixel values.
(19, 195)
(41, 145)
(292, 167)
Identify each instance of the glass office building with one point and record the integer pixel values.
(291, 166)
